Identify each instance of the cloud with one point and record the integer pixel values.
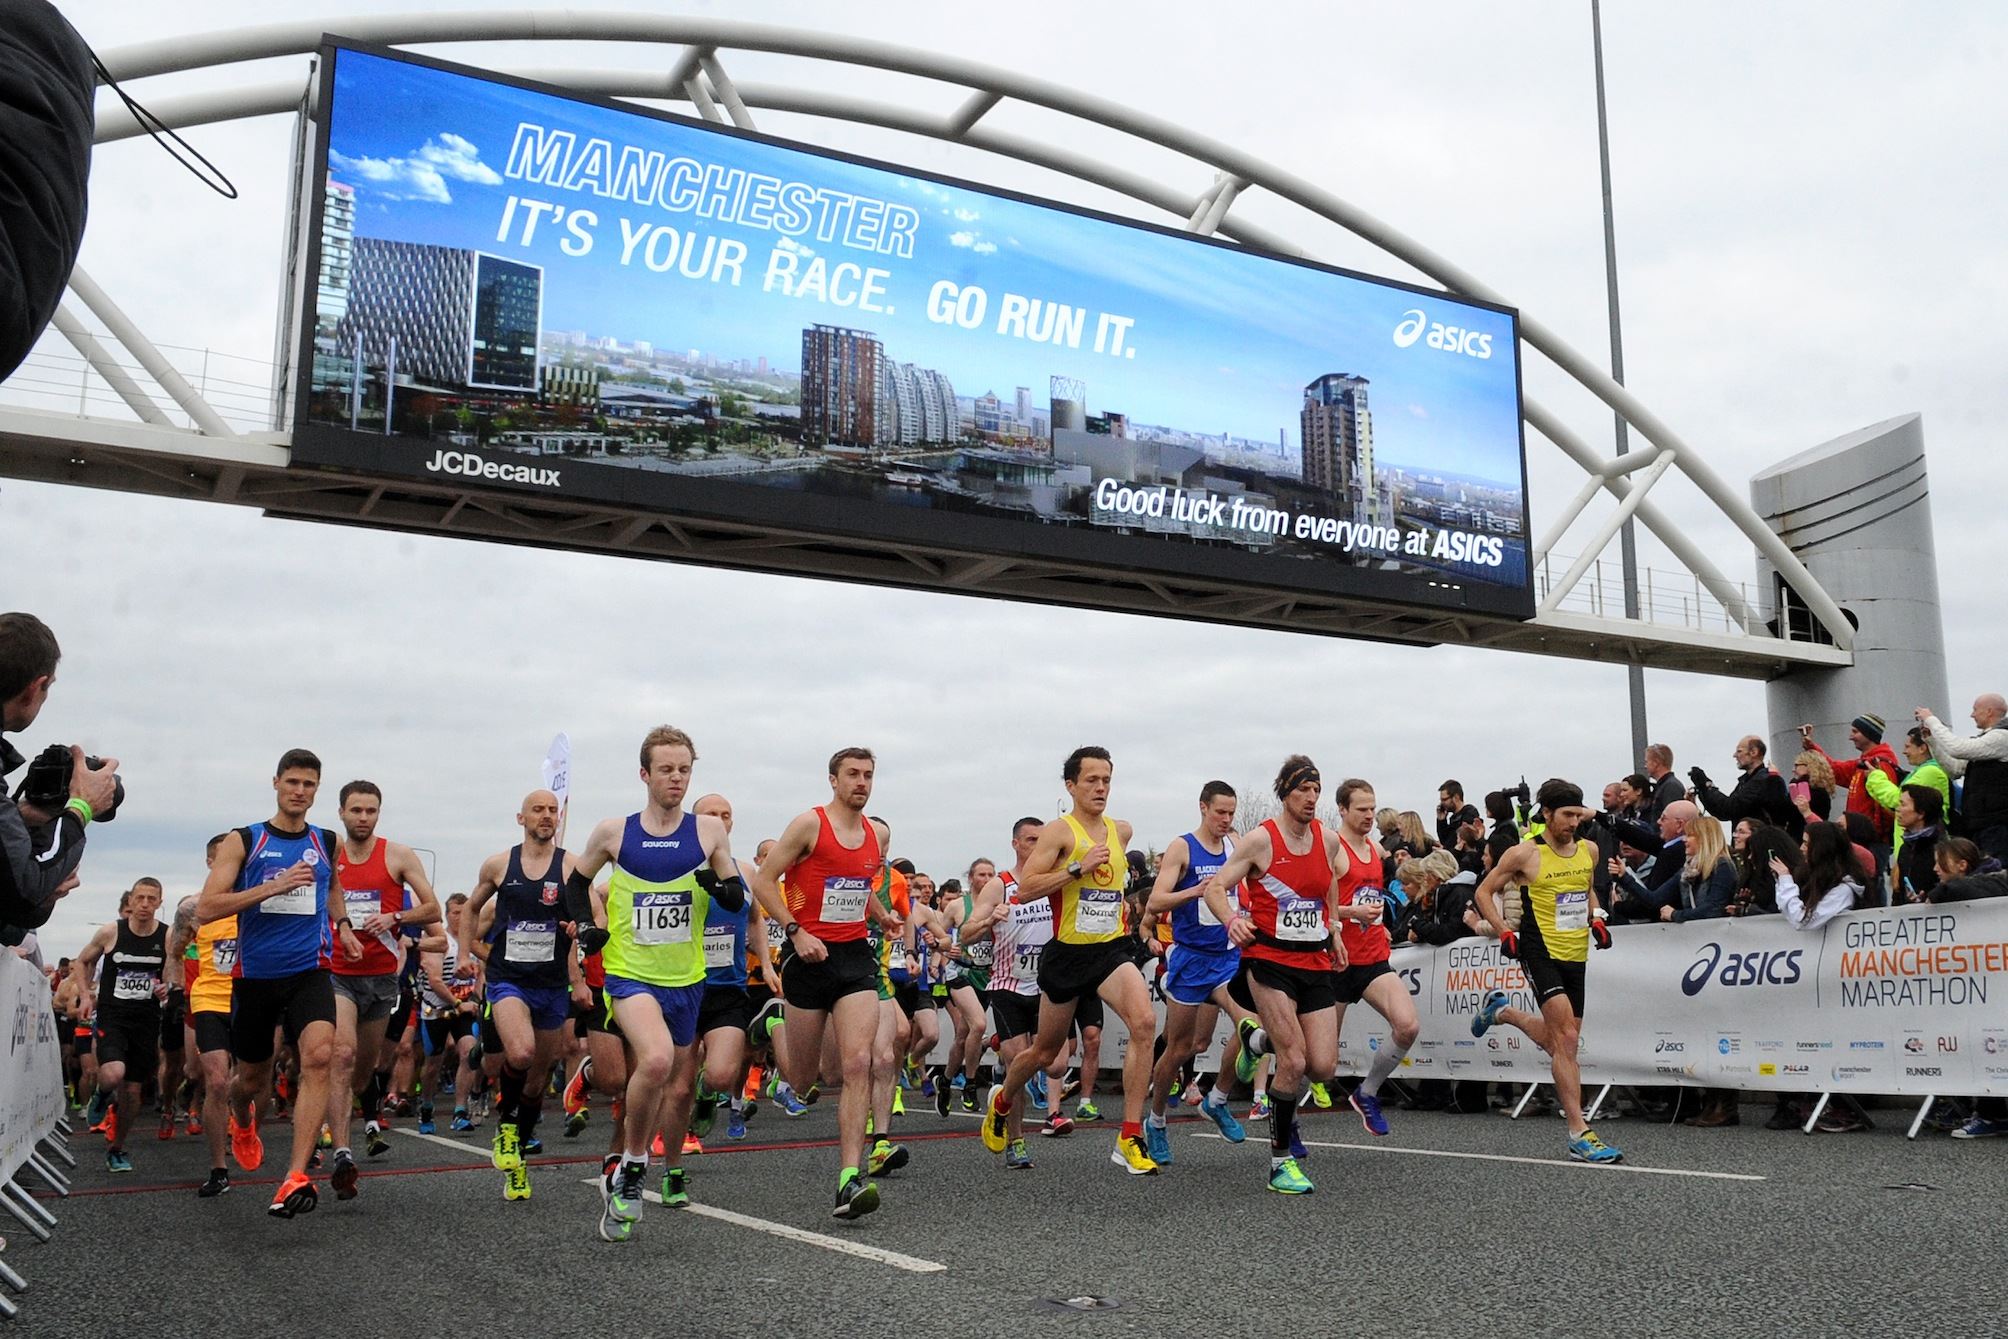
(964, 238)
(972, 241)
(424, 173)
(984, 248)
(789, 244)
(966, 216)
(1418, 411)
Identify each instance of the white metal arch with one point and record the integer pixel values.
(697, 76)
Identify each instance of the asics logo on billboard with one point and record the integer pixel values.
(1416, 325)
(474, 467)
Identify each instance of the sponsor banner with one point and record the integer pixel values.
(514, 287)
(31, 1071)
(1906, 1000)
(1446, 985)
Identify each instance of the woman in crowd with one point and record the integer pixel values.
(1813, 769)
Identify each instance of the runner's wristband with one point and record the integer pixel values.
(81, 807)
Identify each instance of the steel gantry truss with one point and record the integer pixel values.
(209, 459)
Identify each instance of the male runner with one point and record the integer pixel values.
(1201, 962)
(374, 873)
(1019, 928)
(278, 879)
(727, 1008)
(1358, 910)
(1080, 866)
(668, 866)
(831, 861)
(967, 996)
(215, 945)
(1559, 921)
(130, 955)
(447, 1012)
(533, 977)
(1288, 955)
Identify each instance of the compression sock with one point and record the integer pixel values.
(1384, 1064)
(372, 1097)
(510, 1108)
(1282, 1115)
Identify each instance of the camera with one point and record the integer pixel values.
(46, 783)
(1521, 793)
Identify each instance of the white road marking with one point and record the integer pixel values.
(461, 1144)
(1536, 1162)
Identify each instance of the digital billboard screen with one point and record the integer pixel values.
(513, 287)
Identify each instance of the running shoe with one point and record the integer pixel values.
(1488, 1011)
(194, 1124)
(345, 1178)
(887, 1156)
(373, 1141)
(1018, 1158)
(1194, 1095)
(516, 1184)
(507, 1147)
(969, 1099)
(425, 1125)
(624, 1200)
(167, 1124)
(295, 1195)
(217, 1184)
(1172, 1095)
(1217, 1111)
(326, 1138)
(1246, 1061)
(735, 1124)
(761, 1029)
(1369, 1108)
(945, 1094)
(613, 1227)
(809, 1098)
(100, 1103)
(791, 1106)
(1259, 1109)
(1035, 1092)
(245, 1145)
(692, 1145)
(994, 1130)
(461, 1124)
(314, 1161)
(117, 1161)
(1057, 1126)
(676, 1188)
(577, 1091)
(1321, 1096)
(1130, 1155)
(1087, 1111)
(703, 1112)
(855, 1198)
(1297, 1149)
(1157, 1142)
(1979, 1127)
(1586, 1147)
(898, 1101)
(1070, 1085)
(532, 1146)
(1287, 1178)
(655, 1145)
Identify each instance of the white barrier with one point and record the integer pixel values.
(31, 1069)
(1908, 1001)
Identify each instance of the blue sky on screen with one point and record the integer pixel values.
(1225, 340)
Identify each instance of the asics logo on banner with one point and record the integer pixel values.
(1415, 323)
(1779, 967)
(474, 467)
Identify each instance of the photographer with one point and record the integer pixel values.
(41, 829)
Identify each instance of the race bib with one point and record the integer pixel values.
(896, 961)
(1301, 920)
(980, 953)
(844, 900)
(777, 934)
(223, 956)
(1099, 911)
(1369, 897)
(662, 918)
(1572, 910)
(1026, 962)
(132, 986)
(719, 949)
(1206, 916)
(362, 906)
(531, 942)
(301, 901)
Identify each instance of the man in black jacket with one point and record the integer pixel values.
(1760, 793)
(38, 851)
(1666, 787)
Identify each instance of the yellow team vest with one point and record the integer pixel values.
(1089, 910)
(1558, 898)
(215, 960)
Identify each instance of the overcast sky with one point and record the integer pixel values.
(1810, 208)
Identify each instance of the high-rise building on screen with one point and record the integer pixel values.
(459, 318)
(1338, 433)
(842, 383)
